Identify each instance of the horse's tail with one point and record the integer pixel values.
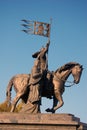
(8, 91)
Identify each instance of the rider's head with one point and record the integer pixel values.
(42, 48)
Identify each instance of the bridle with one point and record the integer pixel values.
(59, 78)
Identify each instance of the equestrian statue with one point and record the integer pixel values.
(42, 83)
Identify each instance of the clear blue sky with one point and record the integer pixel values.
(68, 43)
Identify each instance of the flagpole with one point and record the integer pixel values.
(50, 30)
(48, 42)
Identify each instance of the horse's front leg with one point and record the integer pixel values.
(58, 96)
(55, 102)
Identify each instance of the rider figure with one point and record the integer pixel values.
(38, 72)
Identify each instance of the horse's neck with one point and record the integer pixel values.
(64, 74)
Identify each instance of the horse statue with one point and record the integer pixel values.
(53, 87)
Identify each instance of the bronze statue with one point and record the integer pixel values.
(56, 88)
(41, 82)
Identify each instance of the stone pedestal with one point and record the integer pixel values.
(25, 121)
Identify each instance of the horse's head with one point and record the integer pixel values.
(76, 72)
(70, 68)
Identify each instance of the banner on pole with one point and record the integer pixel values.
(37, 28)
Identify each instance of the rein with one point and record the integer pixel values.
(71, 82)
(69, 85)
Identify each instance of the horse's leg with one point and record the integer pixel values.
(55, 101)
(58, 96)
(16, 99)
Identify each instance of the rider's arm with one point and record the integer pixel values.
(47, 47)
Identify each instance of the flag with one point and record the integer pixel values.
(37, 28)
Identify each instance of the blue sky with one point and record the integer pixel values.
(68, 43)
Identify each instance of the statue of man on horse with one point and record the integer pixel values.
(41, 82)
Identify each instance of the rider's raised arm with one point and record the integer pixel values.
(47, 47)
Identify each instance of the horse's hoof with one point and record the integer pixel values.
(52, 110)
(48, 110)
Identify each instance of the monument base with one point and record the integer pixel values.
(25, 121)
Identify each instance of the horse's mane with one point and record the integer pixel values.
(66, 66)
